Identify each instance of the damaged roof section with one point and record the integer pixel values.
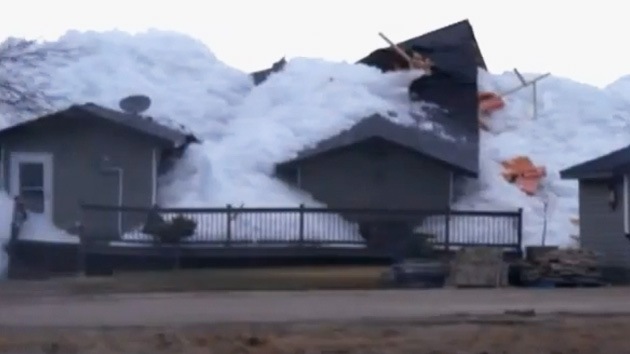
(411, 137)
(453, 49)
(451, 87)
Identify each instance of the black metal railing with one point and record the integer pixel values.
(301, 226)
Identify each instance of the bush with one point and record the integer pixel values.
(173, 231)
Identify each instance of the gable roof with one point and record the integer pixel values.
(608, 165)
(417, 140)
(452, 35)
(141, 124)
(440, 44)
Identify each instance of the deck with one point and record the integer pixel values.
(112, 237)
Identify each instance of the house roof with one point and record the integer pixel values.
(262, 75)
(145, 125)
(608, 165)
(420, 141)
(440, 44)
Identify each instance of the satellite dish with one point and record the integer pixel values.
(135, 104)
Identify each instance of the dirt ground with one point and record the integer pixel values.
(555, 334)
(317, 322)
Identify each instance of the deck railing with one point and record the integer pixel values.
(303, 226)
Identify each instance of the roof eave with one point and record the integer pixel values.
(456, 168)
(569, 174)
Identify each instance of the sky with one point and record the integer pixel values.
(566, 38)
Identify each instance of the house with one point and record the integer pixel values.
(87, 154)
(380, 164)
(604, 194)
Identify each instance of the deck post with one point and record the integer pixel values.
(301, 224)
(447, 231)
(519, 230)
(81, 254)
(228, 228)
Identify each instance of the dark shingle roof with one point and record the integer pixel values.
(451, 35)
(141, 124)
(420, 141)
(608, 165)
(442, 46)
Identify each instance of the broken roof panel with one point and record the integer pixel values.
(142, 124)
(411, 137)
(440, 44)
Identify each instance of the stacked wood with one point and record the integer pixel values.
(478, 267)
(563, 267)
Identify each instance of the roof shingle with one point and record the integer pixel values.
(141, 124)
(423, 142)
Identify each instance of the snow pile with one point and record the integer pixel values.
(310, 100)
(246, 130)
(185, 81)
(38, 227)
(574, 123)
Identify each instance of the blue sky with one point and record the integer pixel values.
(581, 40)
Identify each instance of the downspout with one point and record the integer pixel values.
(154, 176)
(626, 210)
(120, 173)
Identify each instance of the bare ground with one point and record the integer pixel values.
(436, 321)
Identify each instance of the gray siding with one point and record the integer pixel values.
(601, 228)
(384, 176)
(77, 146)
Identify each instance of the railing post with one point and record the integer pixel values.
(81, 252)
(519, 231)
(301, 224)
(228, 230)
(447, 237)
(81, 256)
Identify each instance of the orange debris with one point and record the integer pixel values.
(488, 103)
(521, 171)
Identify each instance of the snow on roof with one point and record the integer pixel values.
(164, 129)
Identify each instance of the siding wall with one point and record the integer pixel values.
(601, 228)
(77, 146)
(379, 175)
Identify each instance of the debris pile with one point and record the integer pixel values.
(478, 267)
(562, 267)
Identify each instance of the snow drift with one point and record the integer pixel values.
(247, 129)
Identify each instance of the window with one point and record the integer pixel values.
(31, 178)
